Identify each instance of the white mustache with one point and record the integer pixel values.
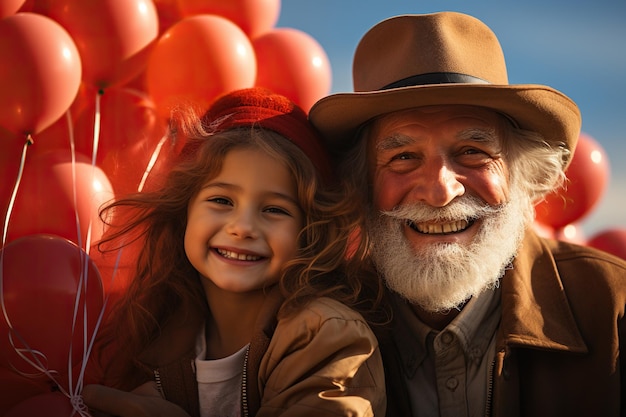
(466, 208)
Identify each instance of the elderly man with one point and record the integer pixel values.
(488, 318)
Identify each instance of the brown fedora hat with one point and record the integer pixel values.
(439, 59)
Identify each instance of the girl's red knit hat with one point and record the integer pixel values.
(260, 107)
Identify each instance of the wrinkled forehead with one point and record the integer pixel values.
(436, 116)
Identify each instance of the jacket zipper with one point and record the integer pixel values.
(157, 379)
(244, 385)
(488, 411)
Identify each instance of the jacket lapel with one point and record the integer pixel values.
(535, 310)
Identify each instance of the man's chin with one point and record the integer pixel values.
(430, 306)
(440, 271)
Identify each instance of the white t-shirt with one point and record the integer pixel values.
(219, 381)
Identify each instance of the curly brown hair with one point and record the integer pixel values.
(164, 281)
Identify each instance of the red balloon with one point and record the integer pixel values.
(572, 233)
(10, 7)
(17, 388)
(254, 17)
(41, 277)
(612, 241)
(292, 63)
(57, 135)
(587, 177)
(198, 59)
(168, 13)
(45, 198)
(40, 72)
(36, 6)
(9, 166)
(130, 130)
(114, 37)
(117, 269)
(52, 404)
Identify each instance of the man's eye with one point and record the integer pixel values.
(402, 156)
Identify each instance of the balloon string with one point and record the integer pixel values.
(6, 227)
(82, 286)
(27, 143)
(96, 129)
(37, 358)
(152, 162)
(36, 363)
(79, 406)
(75, 391)
(70, 129)
(33, 361)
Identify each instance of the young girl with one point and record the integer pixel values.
(239, 304)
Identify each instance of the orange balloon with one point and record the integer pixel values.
(39, 75)
(114, 37)
(10, 7)
(254, 17)
(292, 63)
(198, 59)
(587, 178)
(45, 198)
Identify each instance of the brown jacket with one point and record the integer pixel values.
(324, 361)
(558, 343)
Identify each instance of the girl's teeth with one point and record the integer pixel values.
(238, 256)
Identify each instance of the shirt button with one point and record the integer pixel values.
(452, 383)
(446, 338)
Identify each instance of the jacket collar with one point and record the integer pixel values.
(535, 309)
(178, 336)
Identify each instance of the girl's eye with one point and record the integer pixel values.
(219, 200)
(276, 210)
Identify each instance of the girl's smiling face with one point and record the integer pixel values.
(243, 225)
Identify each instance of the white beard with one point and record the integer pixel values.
(444, 276)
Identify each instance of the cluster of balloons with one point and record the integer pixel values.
(560, 214)
(86, 90)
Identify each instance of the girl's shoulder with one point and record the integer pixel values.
(323, 311)
(331, 308)
(324, 324)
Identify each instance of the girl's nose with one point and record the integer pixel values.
(243, 224)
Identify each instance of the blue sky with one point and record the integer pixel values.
(576, 47)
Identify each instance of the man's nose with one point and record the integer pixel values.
(438, 183)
